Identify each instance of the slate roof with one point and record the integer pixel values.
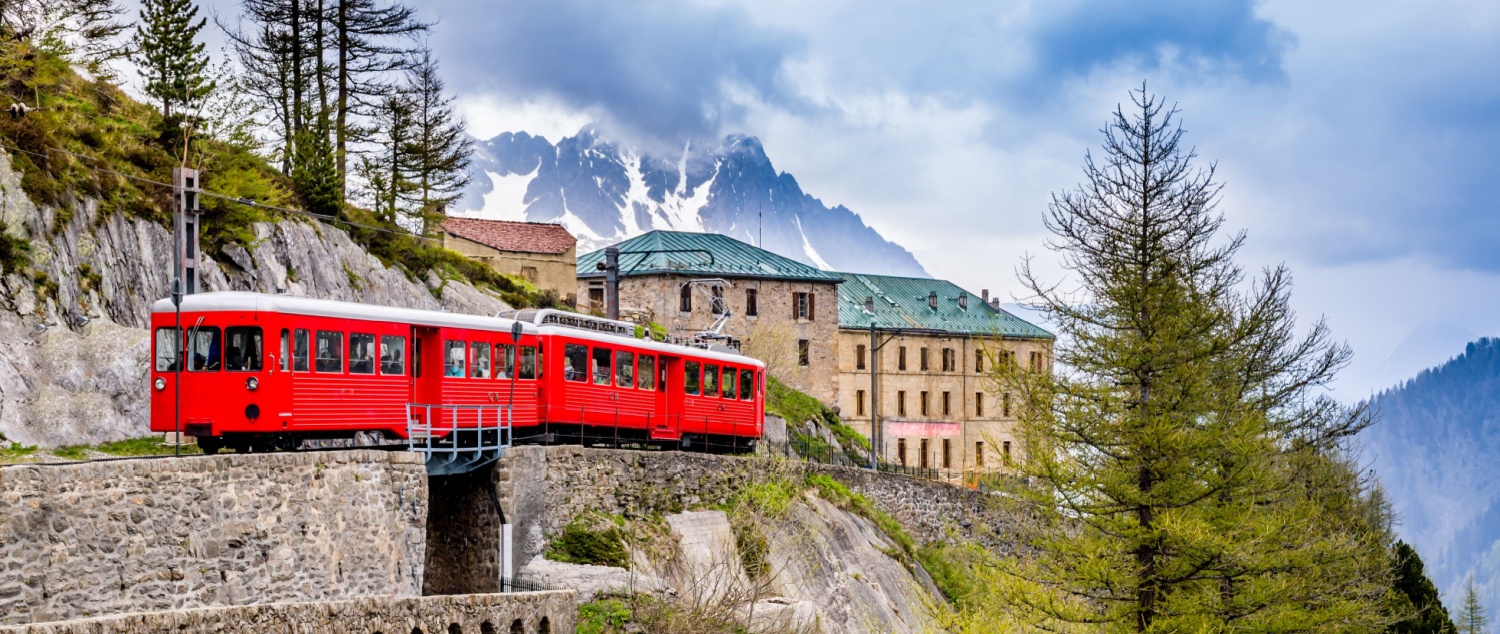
(683, 253)
(901, 303)
(526, 237)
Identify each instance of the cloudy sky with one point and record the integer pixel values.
(1357, 139)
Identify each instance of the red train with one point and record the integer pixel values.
(265, 372)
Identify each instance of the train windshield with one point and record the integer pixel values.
(204, 350)
(243, 351)
(166, 349)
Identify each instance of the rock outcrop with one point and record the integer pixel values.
(74, 367)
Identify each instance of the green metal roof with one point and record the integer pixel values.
(703, 255)
(902, 303)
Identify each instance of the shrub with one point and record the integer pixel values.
(591, 539)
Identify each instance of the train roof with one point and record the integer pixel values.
(220, 301)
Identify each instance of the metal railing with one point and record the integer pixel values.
(458, 438)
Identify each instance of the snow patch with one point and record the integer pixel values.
(506, 199)
(807, 247)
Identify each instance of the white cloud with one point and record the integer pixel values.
(488, 114)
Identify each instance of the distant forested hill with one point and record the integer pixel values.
(1436, 448)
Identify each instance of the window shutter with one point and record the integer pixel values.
(796, 299)
(810, 298)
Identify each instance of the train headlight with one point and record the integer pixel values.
(160, 383)
(252, 383)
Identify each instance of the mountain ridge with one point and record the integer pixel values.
(605, 192)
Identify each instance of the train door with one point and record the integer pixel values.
(669, 397)
(426, 365)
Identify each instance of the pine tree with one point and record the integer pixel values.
(315, 177)
(387, 171)
(172, 62)
(439, 147)
(1472, 618)
(1418, 603)
(1188, 476)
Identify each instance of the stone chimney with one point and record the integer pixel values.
(984, 293)
(995, 302)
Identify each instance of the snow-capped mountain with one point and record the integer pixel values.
(604, 193)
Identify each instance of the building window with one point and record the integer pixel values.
(1005, 405)
(596, 296)
(979, 453)
(901, 358)
(978, 404)
(901, 403)
(802, 352)
(950, 360)
(979, 361)
(901, 451)
(752, 308)
(947, 403)
(1005, 453)
(803, 305)
(716, 306)
(947, 454)
(922, 359)
(922, 457)
(859, 357)
(685, 299)
(859, 402)
(530, 273)
(924, 401)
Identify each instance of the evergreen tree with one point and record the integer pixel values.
(1471, 615)
(439, 147)
(1189, 477)
(315, 177)
(1418, 603)
(172, 62)
(387, 171)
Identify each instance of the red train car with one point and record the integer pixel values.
(265, 372)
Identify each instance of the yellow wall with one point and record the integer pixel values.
(553, 272)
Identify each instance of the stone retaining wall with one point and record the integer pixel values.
(105, 537)
(531, 612)
(645, 483)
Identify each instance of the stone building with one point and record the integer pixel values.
(783, 311)
(543, 254)
(929, 361)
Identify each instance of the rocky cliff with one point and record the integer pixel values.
(74, 366)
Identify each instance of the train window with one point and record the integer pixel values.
(284, 360)
(575, 357)
(166, 349)
(203, 349)
(243, 350)
(625, 369)
(330, 355)
(393, 355)
(710, 380)
(646, 378)
(361, 353)
(691, 376)
(726, 387)
(299, 350)
(528, 362)
(600, 366)
(505, 361)
(747, 385)
(453, 359)
(479, 360)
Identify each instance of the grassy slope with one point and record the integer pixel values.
(99, 121)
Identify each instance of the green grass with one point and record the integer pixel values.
(591, 539)
(71, 452)
(952, 570)
(794, 406)
(147, 446)
(604, 616)
(18, 453)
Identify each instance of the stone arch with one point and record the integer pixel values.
(487, 628)
(454, 628)
(517, 627)
(544, 626)
(416, 630)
